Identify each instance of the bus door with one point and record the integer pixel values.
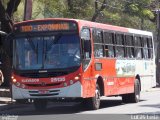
(88, 79)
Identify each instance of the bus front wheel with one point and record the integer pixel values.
(94, 102)
(40, 104)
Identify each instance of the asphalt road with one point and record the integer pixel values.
(149, 105)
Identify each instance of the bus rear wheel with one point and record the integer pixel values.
(133, 97)
(40, 104)
(94, 102)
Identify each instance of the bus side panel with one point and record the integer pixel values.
(146, 71)
(108, 73)
(88, 82)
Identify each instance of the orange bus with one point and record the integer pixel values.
(75, 59)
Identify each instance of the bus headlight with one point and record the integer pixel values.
(76, 78)
(71, 82)
(14, 80)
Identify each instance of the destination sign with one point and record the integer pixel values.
(45, 26)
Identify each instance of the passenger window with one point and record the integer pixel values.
(149, 43)
(129, 40)
(138, 52)
(97, 36)
(109, 49)
(120, 52)
(108, 42)
(120, 39)
(120, 49)
(150, 47)
(145, 48)
(137, 41)
(129, 46)
(138, 47)
(98, 43)
(108, 38)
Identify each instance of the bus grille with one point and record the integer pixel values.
(48, 93)
(42, 85)
(44, 94)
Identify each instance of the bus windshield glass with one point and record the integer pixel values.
(47, 52)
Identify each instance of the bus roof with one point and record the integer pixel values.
(96, 25)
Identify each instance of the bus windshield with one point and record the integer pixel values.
(47, 52)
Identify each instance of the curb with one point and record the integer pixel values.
(153, 89)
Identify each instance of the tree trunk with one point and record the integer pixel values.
(98, 11)
(70, 4)
(7, 26)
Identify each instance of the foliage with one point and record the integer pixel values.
(127, 13)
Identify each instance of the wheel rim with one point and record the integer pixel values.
(137, 92)
(97, 97)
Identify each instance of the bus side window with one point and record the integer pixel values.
(98, 43)
(129, 46)
(138, 47)
(150, 47)
(145, 48)
(120, 45)
(108, 43)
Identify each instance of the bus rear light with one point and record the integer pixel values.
(12, 77)
(71, 82)
(65, 84)
(14, 80)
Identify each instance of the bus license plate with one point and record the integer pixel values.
(43, 91)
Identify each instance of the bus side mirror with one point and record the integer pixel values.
(0, 64)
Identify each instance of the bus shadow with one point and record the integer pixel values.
(113, 103)
(28, 109)
(151, 105)
(54, 108)
(110, 103)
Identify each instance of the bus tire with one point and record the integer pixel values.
(133, 97)
(40, 104)
(94, 102)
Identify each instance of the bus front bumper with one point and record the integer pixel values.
(72, 91)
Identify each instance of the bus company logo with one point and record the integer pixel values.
(43, 84)
(58, 79)
(30, 80)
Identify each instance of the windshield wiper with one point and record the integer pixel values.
(32, 45)
(55, 41)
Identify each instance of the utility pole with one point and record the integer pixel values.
(158, 49)
(28, 10)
